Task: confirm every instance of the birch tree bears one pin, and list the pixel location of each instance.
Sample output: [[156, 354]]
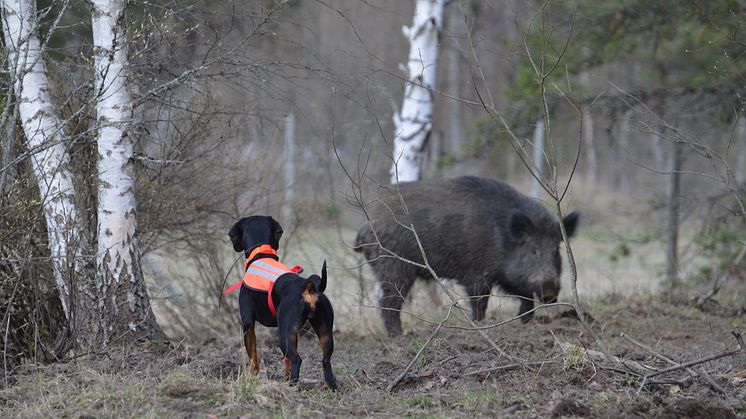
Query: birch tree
[[539, 157], [45, 138], [413, 124], [121, 296]]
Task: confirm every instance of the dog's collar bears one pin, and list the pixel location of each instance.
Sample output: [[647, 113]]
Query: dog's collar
[[263, 249]]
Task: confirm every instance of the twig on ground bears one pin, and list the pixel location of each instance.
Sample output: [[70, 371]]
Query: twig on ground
[[739, 339], [647, 377], [720, 279], [398, 378], [510, 366], [709, 380]]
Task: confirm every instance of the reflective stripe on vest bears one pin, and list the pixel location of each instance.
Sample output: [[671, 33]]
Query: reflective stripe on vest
[[263, 273]]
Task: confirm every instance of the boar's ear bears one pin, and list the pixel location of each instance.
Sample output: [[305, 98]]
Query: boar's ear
[[571, 223], [236, 234], [520, 225], [276, 231]]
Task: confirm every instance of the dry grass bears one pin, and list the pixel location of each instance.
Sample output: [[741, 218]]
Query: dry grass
[[211, 380]]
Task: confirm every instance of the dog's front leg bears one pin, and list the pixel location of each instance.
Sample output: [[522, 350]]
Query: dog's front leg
[[249, 341]]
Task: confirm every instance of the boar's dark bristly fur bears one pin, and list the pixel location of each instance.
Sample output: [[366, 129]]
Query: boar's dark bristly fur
[[479, 232]]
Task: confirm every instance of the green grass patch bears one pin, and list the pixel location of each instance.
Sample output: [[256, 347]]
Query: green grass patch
[[180, 383], [574, 358], [421, 402], [245, 386], [478, 400]]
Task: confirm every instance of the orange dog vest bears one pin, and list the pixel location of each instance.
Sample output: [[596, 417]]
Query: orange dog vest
[[261, 274]]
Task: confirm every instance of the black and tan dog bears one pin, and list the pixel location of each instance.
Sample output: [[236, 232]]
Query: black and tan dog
[[276, 296]]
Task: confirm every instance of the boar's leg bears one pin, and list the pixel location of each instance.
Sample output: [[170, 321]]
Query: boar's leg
[[527, 304], [479, 298], [391, 300]]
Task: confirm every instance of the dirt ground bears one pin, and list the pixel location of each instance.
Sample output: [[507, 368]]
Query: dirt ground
[[558, 377]]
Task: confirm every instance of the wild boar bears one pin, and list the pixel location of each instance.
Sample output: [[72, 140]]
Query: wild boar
[[479, 232]]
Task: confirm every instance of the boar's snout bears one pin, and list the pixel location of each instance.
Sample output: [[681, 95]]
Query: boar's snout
[[549, 300], [548, 292]]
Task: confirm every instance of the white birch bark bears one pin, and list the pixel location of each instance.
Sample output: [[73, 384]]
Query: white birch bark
[[44, 136], [414, 123], [538, 156], [123, 303], [116, 200]]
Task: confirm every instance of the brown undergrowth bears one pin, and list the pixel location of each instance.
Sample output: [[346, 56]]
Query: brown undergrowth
[[458, 374]]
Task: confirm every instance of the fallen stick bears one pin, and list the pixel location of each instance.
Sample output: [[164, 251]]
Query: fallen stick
[[709, 380], [739, 339], [396, 380], [696, 362], [686, 365], [509, 366]]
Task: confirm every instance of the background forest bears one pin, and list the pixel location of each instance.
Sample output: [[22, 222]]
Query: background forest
[[631, 111]]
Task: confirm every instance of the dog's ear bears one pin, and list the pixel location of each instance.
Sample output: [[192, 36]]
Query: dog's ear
[[277, 231], [322, 284], [236, 235]]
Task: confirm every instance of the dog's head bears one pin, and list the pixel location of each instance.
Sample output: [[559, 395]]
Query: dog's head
[[254, 231]]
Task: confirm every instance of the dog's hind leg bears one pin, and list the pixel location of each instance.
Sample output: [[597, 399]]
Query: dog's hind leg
[[287, 334], [292, 359], [249, 341], [323, 322]]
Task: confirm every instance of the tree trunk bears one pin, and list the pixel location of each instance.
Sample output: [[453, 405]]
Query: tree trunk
[[590, 146], [288, 215], [436, 153], [456, 132], [44, 136], [118, 311], [740, 142], [414, 123], [656, 144], [538, 157], [621, 172], [672, 255]]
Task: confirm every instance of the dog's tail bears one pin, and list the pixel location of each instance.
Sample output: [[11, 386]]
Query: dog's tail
[[322, 284]]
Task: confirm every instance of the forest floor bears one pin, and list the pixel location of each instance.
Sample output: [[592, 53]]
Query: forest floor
[[558, 378]]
